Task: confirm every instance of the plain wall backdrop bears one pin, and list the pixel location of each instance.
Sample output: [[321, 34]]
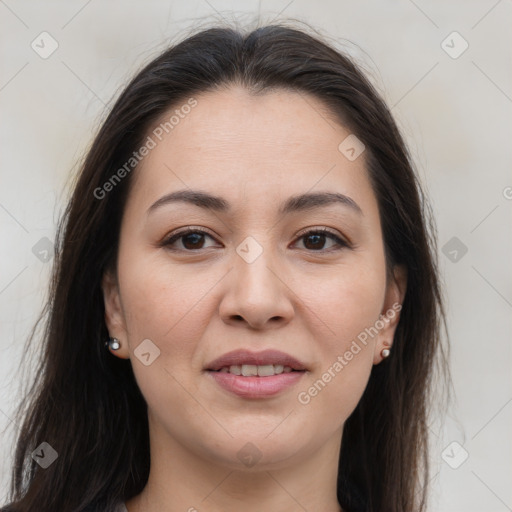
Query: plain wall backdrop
[[443, 67]]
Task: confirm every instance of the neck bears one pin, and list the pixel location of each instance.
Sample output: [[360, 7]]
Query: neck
[[180, 480]]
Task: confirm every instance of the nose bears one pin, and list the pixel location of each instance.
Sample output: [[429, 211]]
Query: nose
[[257, 294]]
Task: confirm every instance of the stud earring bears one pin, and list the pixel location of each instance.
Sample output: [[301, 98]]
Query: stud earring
[[385, 353], [113, 344]]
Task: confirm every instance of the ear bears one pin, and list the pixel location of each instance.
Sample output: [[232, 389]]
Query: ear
[[390, 314], [114, 315]]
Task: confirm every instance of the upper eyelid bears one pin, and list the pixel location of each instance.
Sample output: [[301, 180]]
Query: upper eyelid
[[186, 231]]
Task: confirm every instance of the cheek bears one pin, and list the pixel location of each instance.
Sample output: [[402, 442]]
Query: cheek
[[346, 351], [158, 297], [347, 303], [332, 396], [345, 300], [165, 304]]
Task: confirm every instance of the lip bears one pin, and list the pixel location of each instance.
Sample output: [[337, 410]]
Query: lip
[[240, 357], [256, 387]]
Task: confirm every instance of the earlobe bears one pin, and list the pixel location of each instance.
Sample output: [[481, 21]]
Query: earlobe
[[114, 316]]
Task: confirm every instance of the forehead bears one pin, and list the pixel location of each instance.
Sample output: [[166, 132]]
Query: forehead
[[260, 147], [232, 120]]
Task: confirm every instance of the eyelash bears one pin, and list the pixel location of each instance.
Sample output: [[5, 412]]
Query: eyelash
[[321, 231]]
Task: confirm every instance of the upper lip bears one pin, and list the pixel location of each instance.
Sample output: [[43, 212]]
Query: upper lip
[[265, 357]]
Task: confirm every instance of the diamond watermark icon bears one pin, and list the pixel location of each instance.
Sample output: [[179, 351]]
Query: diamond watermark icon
[[43, 249], [454, 455], [45, 455], [44, 45], [249, 249], [249, 454], [147, 352], [454, 45], [454, 249], [351, 147]]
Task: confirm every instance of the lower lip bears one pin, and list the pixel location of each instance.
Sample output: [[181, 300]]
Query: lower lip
[[256, 387]]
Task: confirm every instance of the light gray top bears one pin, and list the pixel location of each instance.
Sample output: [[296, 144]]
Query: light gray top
[[121, 507]]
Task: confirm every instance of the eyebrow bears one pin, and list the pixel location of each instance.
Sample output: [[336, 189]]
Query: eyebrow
[[301, 202]]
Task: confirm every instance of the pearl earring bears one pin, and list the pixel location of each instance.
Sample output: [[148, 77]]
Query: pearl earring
[[113, 344], [385, 353]]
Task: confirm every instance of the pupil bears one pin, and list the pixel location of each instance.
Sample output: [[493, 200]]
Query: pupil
[[317, 240], [196, 238]]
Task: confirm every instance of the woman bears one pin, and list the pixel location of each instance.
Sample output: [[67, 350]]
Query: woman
[[248, 234]]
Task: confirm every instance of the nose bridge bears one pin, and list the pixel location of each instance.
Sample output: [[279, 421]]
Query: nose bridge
[[253, 268], [256, 293]]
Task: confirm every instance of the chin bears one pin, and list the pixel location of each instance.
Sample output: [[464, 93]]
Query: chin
[[256, 451]]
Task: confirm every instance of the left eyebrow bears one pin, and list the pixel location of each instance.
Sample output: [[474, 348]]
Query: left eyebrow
[[301, 202], [313, 200]]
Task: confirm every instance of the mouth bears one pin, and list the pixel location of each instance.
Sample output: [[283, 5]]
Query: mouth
[[252, 370], [251, 364], [256, 374]]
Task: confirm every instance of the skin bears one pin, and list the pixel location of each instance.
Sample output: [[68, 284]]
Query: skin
[[195, 306]]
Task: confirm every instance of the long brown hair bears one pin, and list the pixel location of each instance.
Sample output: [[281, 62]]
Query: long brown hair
[[86, 404]]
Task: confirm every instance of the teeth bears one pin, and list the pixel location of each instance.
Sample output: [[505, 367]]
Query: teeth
[[265, 371], [237, 370], [251, 370]]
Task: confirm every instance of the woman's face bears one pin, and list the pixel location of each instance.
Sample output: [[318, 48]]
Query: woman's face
[[252, 280]]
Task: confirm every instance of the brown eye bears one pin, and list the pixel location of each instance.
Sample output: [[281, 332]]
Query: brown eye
[[315, 240], [191, 239]]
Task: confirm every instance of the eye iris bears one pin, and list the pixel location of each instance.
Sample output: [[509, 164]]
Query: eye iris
[[318, 238], [196, 237]]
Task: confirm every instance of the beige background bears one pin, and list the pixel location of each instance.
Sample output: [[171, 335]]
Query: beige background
[[456, 114]]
